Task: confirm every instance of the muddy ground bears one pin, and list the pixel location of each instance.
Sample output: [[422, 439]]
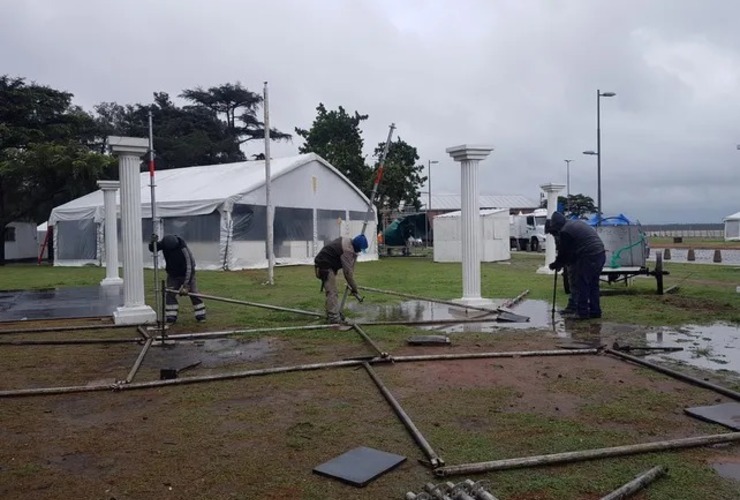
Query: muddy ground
[[261, 436]]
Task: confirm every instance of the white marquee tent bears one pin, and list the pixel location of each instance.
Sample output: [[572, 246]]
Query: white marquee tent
[[494, 236], [732, 227], [220, 210]]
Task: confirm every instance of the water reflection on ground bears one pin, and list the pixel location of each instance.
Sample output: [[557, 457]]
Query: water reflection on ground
[[716, 347], [713, 347]]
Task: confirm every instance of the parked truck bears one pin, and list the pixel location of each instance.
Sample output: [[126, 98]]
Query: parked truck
[[527, 230]]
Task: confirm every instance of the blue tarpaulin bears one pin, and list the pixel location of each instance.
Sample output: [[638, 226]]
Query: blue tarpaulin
[[617, 220]]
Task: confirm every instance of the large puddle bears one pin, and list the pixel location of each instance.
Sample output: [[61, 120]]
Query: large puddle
[[715, 347], [538, 311], [210, 353]]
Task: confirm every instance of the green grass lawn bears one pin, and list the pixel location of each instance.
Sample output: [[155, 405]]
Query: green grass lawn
[[706, 292]]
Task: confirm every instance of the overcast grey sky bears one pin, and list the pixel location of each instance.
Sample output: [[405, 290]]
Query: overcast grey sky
[[520, 75]]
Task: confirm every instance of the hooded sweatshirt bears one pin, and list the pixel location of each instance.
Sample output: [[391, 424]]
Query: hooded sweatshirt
[[576, 239]]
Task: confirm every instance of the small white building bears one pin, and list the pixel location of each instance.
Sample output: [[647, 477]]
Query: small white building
[[20, 241], [732, 227], [494, 239]]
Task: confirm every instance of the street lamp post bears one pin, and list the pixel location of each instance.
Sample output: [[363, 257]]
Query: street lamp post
[[599, 95], [429, 198], [567, 184]]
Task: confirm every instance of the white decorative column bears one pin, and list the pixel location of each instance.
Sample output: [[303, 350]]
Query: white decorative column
[[134, 310], [469, 156], [111, 234], [551, 190]]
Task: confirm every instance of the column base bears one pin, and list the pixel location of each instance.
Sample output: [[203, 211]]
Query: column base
[[134, 315], [477, 302], [111, 281], [545, 270]]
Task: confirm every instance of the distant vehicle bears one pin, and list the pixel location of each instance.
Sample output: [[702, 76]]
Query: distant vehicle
[[527, 231]]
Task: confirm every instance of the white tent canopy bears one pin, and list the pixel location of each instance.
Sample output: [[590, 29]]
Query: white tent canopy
[[732, 227], [220, 211], [494, 236]]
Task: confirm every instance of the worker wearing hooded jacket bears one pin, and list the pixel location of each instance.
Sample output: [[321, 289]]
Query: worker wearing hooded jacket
[[339, 254], [180, 267], [580, 246]]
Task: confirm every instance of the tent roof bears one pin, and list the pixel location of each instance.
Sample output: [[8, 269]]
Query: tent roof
[[735, 216], [454, 201], [198, 190], [484, 212]]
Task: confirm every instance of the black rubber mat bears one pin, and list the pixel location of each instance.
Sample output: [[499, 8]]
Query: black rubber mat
[[727, 414], [60, 303], [359, 466]]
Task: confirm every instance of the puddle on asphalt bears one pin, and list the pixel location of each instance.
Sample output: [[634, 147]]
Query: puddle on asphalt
[[211, 353], [538, 311], [715, 347], [728, 470]]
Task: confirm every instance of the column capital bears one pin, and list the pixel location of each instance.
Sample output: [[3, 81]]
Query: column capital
[[465, 152], [109, 185], [131, 145], [552, 188]]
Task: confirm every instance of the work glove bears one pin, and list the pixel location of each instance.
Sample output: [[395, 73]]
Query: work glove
[[554, 266], [183, 290]]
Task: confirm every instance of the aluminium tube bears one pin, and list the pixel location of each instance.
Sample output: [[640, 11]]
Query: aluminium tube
[[636, 484], [515, 300], [176, 381], [138, 361], [70, 341], [255, 304], [61, 329], [226, 333], [364, 335], [435, 460], [676, 374], [155, 220], [578, 456], [482, 355], [486, 319]]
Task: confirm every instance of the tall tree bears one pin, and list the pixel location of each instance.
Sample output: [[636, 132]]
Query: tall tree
[[336, 137], [239, 108], [45, 155], [401, 176], [578, 205]]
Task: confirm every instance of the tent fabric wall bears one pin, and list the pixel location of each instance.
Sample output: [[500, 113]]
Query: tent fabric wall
[[220, 211], [494, 240], [23, 243], [732, 227]]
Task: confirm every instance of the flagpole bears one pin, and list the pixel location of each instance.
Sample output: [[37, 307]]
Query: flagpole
[[268, 200]]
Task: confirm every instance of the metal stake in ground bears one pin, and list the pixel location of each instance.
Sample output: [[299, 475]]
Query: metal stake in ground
[[554, 293], [155, 224]]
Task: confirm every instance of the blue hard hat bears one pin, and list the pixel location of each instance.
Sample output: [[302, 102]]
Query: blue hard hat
[[359, 243]]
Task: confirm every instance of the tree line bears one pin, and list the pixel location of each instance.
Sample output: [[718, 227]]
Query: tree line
[[53, 151]]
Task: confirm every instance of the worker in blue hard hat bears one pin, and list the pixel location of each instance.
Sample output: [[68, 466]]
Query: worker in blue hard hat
[[339, 254]]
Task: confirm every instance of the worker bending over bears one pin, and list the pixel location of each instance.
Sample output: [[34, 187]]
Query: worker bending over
[[339, 254], [180, 267]]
